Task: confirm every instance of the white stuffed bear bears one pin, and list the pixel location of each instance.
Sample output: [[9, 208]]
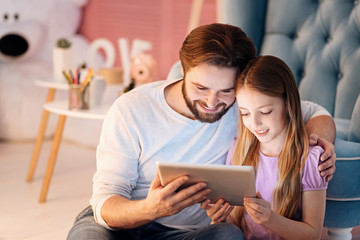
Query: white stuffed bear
[[28, 33]]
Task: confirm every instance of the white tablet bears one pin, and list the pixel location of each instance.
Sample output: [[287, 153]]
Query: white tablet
[[231, 183]]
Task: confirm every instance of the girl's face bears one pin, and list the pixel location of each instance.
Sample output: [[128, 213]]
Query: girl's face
[[264, 116]]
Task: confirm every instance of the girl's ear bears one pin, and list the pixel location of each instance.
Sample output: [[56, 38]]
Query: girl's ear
[[182, 70]]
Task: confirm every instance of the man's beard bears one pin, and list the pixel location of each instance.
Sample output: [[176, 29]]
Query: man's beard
[[202, 116]]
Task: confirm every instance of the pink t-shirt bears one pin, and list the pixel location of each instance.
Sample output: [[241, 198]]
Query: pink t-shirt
[[266, 178]]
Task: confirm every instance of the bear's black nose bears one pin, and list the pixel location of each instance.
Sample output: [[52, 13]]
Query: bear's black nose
[[13, 45]]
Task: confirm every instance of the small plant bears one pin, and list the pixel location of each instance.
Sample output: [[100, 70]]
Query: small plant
[[63, 43]]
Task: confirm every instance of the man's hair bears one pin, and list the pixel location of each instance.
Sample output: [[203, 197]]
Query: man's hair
[[217, 44]]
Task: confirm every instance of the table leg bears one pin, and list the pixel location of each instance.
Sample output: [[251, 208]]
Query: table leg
[[40, 137], [52, 158]]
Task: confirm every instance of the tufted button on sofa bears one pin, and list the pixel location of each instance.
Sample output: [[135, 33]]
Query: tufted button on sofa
[[320, 41]]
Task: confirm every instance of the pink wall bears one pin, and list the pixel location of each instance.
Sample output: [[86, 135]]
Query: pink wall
[[162, 22]]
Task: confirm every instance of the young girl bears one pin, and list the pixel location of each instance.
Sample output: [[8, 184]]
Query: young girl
[[290, 202]]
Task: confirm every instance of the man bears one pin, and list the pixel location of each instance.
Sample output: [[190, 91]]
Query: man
[[193, 119]]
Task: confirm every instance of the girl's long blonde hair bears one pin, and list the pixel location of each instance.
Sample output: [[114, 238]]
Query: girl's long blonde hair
[[271, 76]]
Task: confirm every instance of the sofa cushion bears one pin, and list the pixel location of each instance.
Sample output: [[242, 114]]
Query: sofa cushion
[[354, 128], [320, 41]]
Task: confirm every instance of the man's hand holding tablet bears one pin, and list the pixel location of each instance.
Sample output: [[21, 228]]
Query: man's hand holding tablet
[[230, 183]]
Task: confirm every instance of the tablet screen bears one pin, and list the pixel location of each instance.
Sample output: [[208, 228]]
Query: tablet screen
[[231, 183]]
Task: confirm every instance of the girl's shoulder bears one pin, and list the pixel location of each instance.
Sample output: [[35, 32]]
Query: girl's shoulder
[[314, 154], [231, 150], [311, 178]]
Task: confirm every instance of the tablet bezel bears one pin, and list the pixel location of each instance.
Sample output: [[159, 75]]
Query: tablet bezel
[[231, 183]]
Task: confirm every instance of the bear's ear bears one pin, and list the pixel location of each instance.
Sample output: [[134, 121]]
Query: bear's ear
[[79, 3]]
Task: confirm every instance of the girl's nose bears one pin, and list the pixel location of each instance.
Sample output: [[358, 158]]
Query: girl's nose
[[256, 122]]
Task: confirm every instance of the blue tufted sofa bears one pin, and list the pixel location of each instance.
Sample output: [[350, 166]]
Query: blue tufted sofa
[[320, 41]]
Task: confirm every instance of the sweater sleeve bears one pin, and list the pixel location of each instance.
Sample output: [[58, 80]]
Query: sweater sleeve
[[311, 110], [311, 179], [116, 160]]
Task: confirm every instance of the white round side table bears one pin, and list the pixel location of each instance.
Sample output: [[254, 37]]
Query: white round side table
[[62, 109], [52, 86]]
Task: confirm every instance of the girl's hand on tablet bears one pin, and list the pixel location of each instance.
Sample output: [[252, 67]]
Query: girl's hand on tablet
[[219, 211], [258, 209]]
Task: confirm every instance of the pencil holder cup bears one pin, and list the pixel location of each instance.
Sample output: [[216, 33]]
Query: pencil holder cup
[[79, 97]]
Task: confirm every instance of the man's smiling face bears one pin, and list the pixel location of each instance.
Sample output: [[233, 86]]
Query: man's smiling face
[[209, 91]]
